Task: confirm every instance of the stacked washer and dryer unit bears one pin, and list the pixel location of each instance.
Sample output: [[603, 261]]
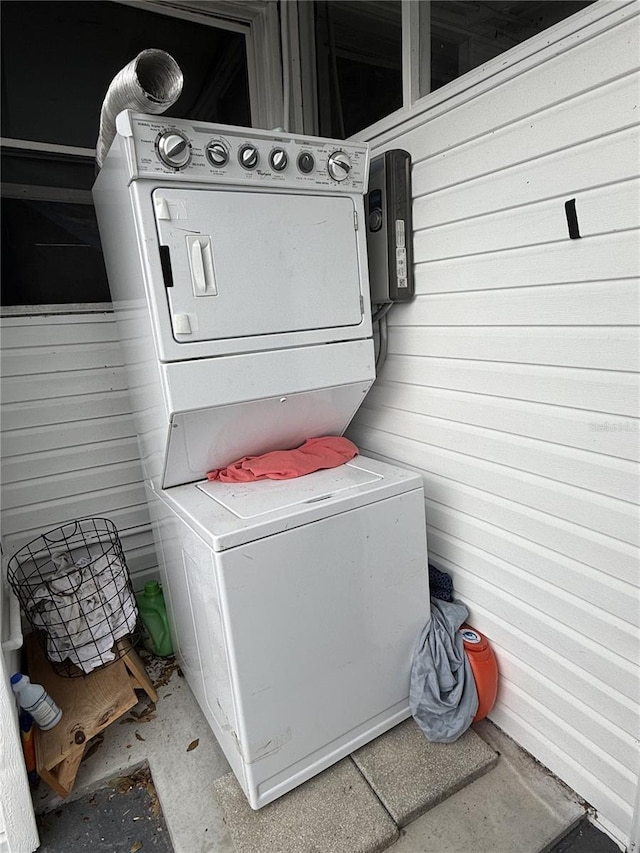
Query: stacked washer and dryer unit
[[238, 268]]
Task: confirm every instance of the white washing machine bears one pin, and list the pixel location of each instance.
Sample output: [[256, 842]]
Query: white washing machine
[[237, 264]]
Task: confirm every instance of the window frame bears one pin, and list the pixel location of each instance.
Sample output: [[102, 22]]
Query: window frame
[[416, 51], [477, 80], [257, 20]]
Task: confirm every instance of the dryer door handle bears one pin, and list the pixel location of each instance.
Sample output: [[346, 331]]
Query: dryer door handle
[[201, 263]]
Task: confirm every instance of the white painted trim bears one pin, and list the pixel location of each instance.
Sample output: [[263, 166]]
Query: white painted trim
[[556, 40], [265, 87], [288, 76], [292, 62], [44, 310], [308, 73], [410, 48], [209, 16], [18, 831], [13, 641], [634, 833], [422, 66], [46, 147], [64, 195], [238, 11], [416, 51]]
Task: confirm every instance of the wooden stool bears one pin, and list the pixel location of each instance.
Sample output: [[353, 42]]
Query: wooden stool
[[89, 703]]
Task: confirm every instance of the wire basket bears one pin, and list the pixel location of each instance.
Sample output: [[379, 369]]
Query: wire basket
[[74, 588]]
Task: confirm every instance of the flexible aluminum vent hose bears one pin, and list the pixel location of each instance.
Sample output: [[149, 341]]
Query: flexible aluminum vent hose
[[150, 83]]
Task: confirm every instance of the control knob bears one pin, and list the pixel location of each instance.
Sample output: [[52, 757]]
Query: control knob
[[217, 154], [339, 165], [248, 156], [278, 159], [174, 149], [306, 163]]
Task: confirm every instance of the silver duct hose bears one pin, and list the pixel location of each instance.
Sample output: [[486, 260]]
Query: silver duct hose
[[150, 83]]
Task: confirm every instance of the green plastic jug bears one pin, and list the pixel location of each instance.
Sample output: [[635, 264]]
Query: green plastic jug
[[154, 618]]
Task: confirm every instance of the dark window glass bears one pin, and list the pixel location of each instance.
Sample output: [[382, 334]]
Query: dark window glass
[[21, 167], [465, 35], [58, 59], [359, 63], [50, 253], [50, 245], [359, 49]]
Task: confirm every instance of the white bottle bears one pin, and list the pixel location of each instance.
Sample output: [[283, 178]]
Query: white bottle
[[34, 699]]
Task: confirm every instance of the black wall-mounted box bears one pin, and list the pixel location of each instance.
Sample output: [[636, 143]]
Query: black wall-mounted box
[[390, 228]]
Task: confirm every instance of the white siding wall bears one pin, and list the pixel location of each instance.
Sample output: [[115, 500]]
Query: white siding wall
[[68, 441], [511, 385]]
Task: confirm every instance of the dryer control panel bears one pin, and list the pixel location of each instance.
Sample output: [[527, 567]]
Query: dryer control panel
[[181, 150]]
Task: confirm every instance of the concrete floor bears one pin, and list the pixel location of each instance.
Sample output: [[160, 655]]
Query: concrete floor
[[515, 807]]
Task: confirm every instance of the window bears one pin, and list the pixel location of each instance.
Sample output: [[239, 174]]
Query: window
[[51, 250], [57, 62], [359, 50], [463, 35], [359, 63], [59, 58]]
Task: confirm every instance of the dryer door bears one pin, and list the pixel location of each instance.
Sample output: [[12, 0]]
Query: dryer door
[[240, 263]]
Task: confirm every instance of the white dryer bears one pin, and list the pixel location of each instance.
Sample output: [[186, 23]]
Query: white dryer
[[237, 263]]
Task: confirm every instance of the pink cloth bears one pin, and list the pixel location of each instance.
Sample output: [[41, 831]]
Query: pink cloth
[[316, 453]]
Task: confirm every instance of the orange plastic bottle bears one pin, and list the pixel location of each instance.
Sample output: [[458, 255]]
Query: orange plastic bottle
[[484, 667]]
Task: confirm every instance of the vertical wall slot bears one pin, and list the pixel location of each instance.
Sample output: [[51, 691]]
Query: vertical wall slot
[[572, 219]]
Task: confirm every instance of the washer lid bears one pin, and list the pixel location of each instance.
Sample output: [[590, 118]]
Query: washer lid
[[230, 514], [249, 500]]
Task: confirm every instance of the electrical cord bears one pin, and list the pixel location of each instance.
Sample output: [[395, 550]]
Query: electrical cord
[[382, 343], [381, 311], [379, 320]]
